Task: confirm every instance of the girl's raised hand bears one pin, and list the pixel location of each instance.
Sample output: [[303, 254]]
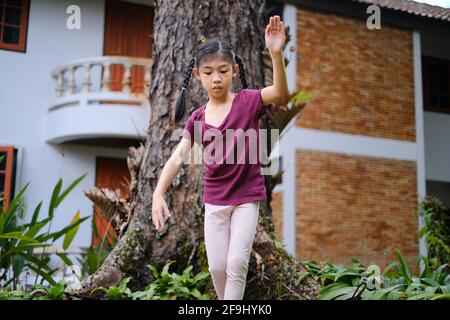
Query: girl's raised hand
[[159, 207], [275, 35]]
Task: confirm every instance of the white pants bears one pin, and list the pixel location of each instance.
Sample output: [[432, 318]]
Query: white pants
[[229, 234]]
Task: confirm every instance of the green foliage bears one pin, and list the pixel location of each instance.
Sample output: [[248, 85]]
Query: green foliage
[[37, 292], [18, 239], [55, 292], [95, 255], [165, 286], [396, 281], [301, 97], [436, 229], [119, 292], [174, 286], [7, 293]]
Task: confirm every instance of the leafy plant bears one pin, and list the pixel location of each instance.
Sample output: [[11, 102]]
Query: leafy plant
[[396, 281], [174, 286], [55, 292], [119, 292], [18, 239], [436, 229], [165, 286], [37, 292], [95, 254], [7, 293]]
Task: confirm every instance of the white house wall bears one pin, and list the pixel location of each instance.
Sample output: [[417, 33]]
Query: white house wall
[[26, 89]]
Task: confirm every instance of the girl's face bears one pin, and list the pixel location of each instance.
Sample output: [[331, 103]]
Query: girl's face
[[216, 75]]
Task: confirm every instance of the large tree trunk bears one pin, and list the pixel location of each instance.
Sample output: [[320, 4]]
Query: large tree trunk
[[179, 28]]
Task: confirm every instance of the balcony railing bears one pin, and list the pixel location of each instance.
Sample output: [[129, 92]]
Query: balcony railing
[[119, 80], [100, 97]]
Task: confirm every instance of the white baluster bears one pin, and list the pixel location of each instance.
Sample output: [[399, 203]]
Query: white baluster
[[147, 82], [71, 86], [59, 84], [106, 80], [127, 78], [87, 78]]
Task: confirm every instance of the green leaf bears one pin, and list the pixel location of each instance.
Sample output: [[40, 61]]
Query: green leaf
[[333, 294], [9, 214], [17, 235], [200, 276], [404, 266], [27, 246], [36, 213], [154, 270], [65, 259], [414, 286], [187, 270], [91, 260], [423, 231], [43, 274], [54, 199], [66, 192], [331, 287], [39, 262], [445, 288], [430, 282], [430, 289], [389, 267], [421, 296], [395, 295], [196, 293], [346, 272], [165, 270], [18, 264], [56, 235], [301, 96], [68, 238], [35, 229], [441, 297]]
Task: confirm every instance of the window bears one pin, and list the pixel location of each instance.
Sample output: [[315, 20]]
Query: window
[[439, 189], [13, 24], [8, 156], [436, 84]]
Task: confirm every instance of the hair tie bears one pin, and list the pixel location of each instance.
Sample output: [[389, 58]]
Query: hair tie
[[234, 57]]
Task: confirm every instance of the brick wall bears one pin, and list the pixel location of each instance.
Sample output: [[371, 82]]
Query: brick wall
[[355, 206], [277, 214], [362, 79]]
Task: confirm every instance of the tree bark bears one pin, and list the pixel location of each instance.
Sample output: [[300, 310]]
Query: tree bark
[[179, 28]]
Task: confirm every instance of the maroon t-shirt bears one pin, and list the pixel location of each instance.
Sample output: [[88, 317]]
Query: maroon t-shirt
[[231, 151]]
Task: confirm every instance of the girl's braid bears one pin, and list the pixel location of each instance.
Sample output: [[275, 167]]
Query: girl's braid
[[180, 108], [241, 70], [188, 73]]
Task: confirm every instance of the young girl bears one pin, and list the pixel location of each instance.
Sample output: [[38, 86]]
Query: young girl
[[232, 191]]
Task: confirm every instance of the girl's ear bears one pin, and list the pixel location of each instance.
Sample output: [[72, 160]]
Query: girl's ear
[[195, 73], [235, 70]]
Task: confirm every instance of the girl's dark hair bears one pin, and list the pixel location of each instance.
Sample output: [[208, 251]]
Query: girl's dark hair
[[209, 49]]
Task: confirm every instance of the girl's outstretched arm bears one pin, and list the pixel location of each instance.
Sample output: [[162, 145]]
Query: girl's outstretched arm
[[168, 173], [275, 37]]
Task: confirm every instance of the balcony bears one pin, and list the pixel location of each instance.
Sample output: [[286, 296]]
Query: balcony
[[100, 99]]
